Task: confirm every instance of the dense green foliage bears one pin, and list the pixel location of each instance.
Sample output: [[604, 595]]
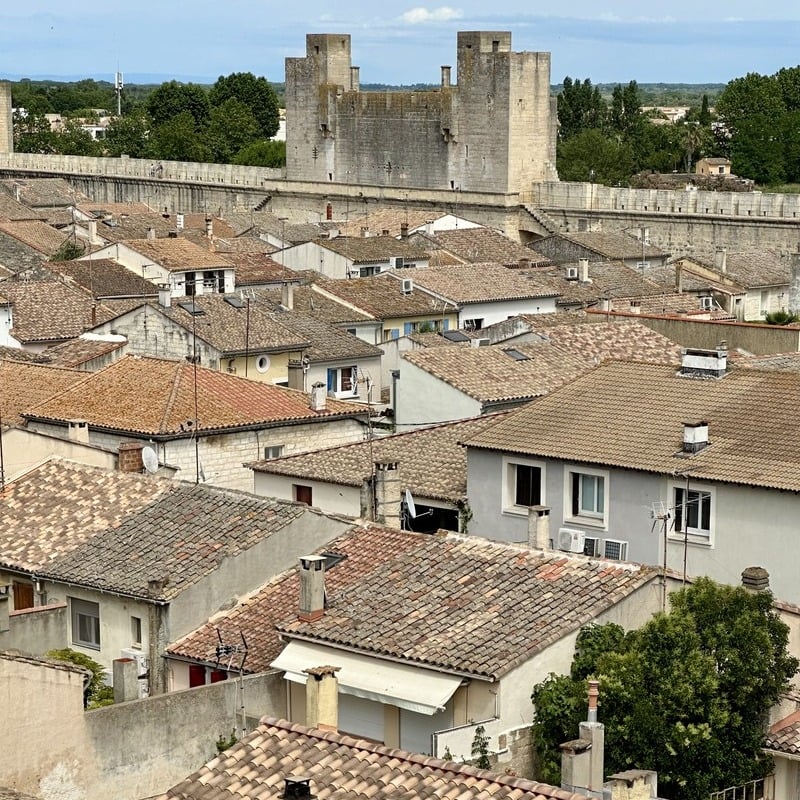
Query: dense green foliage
[[686, 695], [229, 122], [98, 694]]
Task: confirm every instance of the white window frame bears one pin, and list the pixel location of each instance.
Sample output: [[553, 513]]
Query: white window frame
[[337, 390], [273, 451], [263, 363], [79, 608], [510, 464], [592, 518], [693, 535]]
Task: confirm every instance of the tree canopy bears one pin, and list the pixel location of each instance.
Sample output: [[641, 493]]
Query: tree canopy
[[687, 694], [256, 94]]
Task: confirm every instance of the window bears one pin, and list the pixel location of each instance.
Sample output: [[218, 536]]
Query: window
[[473, 324], [587, 497], [343, 381], [262, 363], [136, 631], [522, 484], [391, 333], [85, 623], [692, 510], [301, 494], [273, 451]]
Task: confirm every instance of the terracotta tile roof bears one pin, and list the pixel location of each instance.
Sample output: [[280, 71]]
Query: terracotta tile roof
[[155, 397], [133, 225], [226, 323], [36, 234], [784, 735], [665, 275], [754, 423], [256, 223], [431, 461], [371, 249], [751, 270], [101, 210], [608, 244], [178, 255], [43, 192], [253, 267], [382, 296], [781, 361], [26, 384], [45, 311], [477, 283], [365, 549], [470, 606], [17, 354], [671, 304], [322, 306], [10, 209], [478, 245], [342, 768], [220, 227], [75, 352], [116, 531], [388, 219], [104, 277], [517, 371], [326, 341]]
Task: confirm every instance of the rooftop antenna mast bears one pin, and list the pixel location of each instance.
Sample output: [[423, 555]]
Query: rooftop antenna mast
[[660, 513], [230, 653], [118, 86]]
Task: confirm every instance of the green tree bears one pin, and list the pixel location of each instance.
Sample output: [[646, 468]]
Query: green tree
[[127, 135], [262, 154], [32, 133], [172, 99], [593, 156], [178, 140], [687, 694], [231, 128], [580, 107], [97, 693], [255, 93]]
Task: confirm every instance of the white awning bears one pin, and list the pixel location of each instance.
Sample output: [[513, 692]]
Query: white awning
[[413, 688]]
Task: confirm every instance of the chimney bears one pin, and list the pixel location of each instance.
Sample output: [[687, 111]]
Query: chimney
[[697, 363], [387, 493], [539, 527], [297, 374], [209, 227], [404, 230], [755, 579], [582, 759], [93, 237], [319, 396], [164, 295], [129, 457], [297, 786], [583, 270], [695, 437], [364, 232], [17, 192], [287, 295], [312, 588], [180, 221], [78, 431], [322, 698], [446, 76], [429, 227], [125, 676], [151, 233], [721, 259], [679, 277], [355, 79]]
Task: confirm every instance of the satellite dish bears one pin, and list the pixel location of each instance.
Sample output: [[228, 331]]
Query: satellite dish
[[150, 459], [412, 509]]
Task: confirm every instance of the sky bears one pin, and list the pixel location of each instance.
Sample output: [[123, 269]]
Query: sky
[[703, 41]]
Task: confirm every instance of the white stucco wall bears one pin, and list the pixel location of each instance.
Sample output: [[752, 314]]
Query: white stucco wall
[[501, 310], [423, 399]]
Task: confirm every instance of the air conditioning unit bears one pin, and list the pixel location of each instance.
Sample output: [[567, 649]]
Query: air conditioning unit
[[707, 303], [591, 546], [615, 549], [571, 541], [572, 273], [142, 666], [408, 285]]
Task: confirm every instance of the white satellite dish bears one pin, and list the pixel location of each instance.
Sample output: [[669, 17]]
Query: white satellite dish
[[410, 505], [150, 459]]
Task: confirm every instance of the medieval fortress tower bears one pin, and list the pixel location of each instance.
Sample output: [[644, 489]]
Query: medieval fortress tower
[[493, 131], [6, 126]]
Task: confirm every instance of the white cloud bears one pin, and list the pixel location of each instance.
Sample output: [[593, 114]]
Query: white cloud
[[443, 14]]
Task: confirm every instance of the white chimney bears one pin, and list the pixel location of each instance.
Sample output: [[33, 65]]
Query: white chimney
[[164, 295], [319, 396], [179, 221], [387, 493], [721, 259], [539, 527], [582, 759], [287, 295], [322, 698], [312, 588], [78, 430], [151, 233], [695, 436], [583, 267], [93, 237], [705, 363]]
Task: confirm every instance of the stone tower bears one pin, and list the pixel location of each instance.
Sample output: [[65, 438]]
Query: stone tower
[[493, 132], [6, 127]]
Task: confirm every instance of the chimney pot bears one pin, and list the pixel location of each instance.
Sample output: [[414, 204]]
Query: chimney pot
[[755, 579], [297, 786]]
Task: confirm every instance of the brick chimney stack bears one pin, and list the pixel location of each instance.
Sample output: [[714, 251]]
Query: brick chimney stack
[[129, 457]]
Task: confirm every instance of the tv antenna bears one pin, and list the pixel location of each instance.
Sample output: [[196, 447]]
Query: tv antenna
[[231, 657], [150, 460], [661, 514]]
